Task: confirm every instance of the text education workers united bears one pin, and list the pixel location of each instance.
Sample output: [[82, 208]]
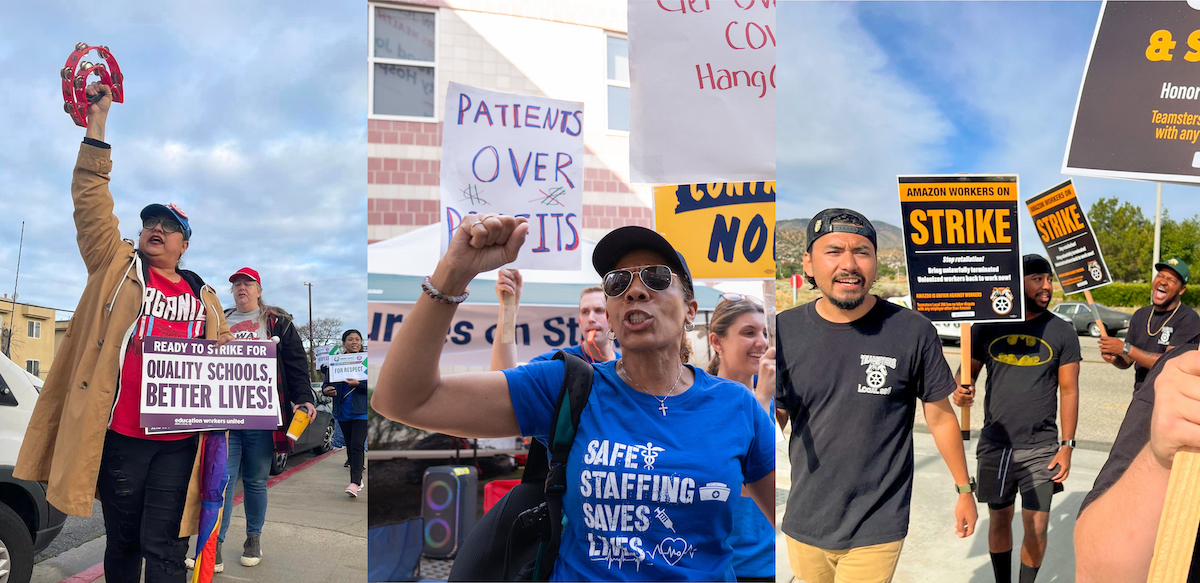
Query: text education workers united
[[851, 369], [1030, 365]]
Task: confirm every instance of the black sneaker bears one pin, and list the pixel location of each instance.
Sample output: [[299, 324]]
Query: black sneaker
[[252, 553]]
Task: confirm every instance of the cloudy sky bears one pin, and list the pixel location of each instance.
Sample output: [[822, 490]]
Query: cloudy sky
[[937, 88], [249, 115]]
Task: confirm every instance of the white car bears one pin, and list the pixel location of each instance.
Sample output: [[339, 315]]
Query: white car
[[947, 331], [27, 522]]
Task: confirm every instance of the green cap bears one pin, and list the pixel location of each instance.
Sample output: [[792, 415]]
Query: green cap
[[1177, 265]]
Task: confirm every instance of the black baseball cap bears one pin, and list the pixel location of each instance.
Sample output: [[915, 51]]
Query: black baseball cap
[[1034, 263], [839, 220], [620, 242]]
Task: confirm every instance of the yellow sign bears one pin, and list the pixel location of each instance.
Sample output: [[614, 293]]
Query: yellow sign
[[725, 230]]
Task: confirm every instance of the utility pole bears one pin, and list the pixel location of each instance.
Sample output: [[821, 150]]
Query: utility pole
[[12, 317], [1157, 231], [312, 361]]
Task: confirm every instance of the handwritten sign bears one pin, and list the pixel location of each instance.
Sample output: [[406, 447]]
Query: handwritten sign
[[1069, 240], [352, 365], [518, 155], [195, 385], [702, 91], [1136, 114], [961, 246], [724, 230]]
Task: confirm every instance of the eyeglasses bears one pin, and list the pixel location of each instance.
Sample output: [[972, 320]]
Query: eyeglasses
[[169, 225], [734, 297], [655, 277]]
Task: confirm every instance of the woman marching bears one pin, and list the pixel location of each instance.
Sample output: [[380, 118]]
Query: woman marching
[[659, 446], [737, 332], [350, 410], [148, 485]]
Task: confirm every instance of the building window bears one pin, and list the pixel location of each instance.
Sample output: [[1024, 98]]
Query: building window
[[403, 78], [34, 367], [35, 330], [618, 83]]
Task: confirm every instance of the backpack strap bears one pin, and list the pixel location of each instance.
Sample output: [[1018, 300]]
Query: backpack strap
[[577, 386]]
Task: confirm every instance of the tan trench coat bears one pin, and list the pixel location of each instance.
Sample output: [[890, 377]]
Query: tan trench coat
[[65, 438]]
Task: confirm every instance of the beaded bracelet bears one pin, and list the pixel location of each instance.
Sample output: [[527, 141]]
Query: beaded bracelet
[[441, 297]]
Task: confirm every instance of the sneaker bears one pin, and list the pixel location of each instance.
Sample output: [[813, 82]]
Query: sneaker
[[352, 490], [346, 465], [252, 553], [190, 563]]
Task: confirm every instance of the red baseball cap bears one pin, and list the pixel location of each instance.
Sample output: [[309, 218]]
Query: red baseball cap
[[248, 273]]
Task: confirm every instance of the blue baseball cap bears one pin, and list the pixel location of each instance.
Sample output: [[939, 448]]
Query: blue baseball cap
[[156, 209]]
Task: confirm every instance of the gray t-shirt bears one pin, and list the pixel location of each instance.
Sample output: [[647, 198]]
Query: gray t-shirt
[[1022, 360], [852, 391], [248, 325]]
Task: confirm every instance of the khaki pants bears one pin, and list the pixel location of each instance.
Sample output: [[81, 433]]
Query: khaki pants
[[871, 564]]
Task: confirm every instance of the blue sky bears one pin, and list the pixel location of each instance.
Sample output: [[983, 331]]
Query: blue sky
[[933, 88], [249, 115]]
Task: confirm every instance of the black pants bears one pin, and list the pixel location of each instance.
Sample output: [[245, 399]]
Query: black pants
[[355, 432], [143, 490]]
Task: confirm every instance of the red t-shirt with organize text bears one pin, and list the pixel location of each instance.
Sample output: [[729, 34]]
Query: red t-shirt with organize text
[[169, 309]]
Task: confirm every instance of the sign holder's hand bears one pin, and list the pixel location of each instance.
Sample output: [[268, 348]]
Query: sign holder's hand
[[1175, 443], [765, 389]]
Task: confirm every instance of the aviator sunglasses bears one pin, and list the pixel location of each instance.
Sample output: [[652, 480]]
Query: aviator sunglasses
[[655, 277], [169, 225], [735, 297]]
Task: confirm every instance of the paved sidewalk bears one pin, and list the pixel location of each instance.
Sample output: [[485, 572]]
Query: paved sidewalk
[[314, 532], [932, 553]]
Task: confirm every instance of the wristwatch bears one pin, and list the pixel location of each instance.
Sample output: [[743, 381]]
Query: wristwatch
[[1125, 350], [1068, 442], [968, 488]]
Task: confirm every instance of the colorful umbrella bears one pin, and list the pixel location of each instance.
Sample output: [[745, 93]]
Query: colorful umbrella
[[214, 467]]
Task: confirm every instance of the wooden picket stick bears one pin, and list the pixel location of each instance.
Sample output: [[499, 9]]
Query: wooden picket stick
[[508, 318], [1180, 518], [1087, 294], [965, 367]]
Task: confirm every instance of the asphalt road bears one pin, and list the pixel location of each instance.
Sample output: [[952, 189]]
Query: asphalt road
[[1104, 395]]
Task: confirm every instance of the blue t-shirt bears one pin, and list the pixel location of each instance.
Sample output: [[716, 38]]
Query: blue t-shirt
[[753, 537], [649, 497], [576, 349]]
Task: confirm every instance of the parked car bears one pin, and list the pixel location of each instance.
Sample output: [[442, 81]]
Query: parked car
[[1079, 315], [27, 522], [318, 436], [947, 331]]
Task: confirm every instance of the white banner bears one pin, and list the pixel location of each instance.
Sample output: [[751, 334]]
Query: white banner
[[352, 365], [518, 155], [469, 342], [702, 91]]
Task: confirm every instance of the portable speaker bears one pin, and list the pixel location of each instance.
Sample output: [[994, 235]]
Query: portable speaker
[[448, 507]]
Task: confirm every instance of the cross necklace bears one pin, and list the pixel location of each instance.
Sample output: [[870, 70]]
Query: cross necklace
[[662, 403]]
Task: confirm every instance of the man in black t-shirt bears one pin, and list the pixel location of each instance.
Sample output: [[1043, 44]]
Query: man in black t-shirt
[[1030, 364], [1118, 521], [1155, 329], [851, 369]]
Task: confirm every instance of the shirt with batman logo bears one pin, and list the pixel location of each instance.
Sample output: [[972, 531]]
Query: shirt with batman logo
[[1022, 360]]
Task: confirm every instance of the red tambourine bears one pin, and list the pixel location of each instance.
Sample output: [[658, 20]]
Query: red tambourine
[[74, 80]]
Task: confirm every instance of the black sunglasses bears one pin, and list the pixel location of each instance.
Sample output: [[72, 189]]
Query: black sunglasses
[[169, 225], [655, 277]]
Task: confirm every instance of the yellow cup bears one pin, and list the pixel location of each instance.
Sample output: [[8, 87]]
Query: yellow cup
[[299, 423]]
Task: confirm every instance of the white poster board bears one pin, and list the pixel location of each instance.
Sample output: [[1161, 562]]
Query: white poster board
[[345, 366], [702, 91], [517, 155]]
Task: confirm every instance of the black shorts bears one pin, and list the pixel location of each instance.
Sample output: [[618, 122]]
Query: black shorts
[[1003, 472]]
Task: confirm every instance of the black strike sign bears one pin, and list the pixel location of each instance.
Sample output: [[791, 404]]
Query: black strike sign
[[1070, 243], [961, 246]]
